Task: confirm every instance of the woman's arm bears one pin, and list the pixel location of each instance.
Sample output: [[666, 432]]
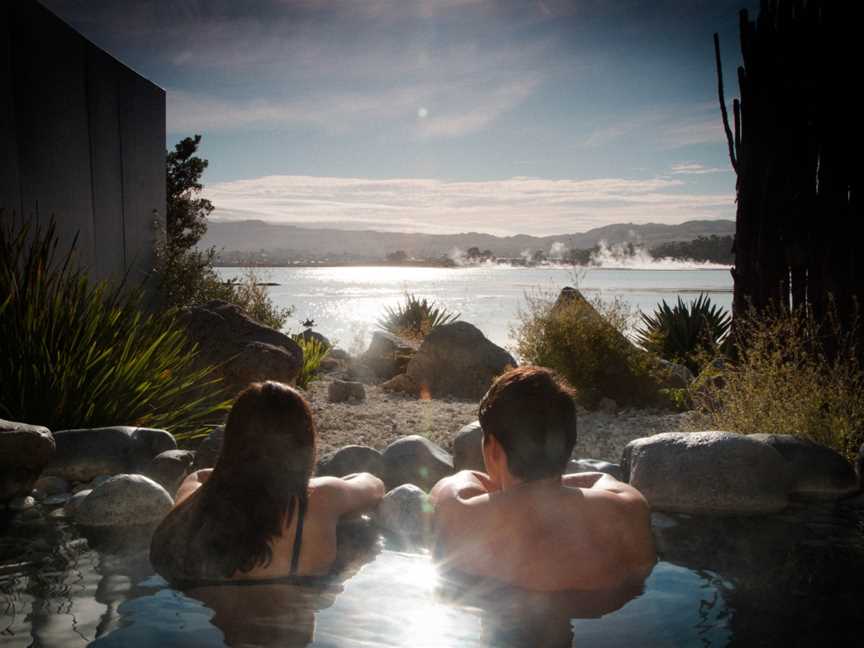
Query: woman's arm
[[348, 494], [192, 483]]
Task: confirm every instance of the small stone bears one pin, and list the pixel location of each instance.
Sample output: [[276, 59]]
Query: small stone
[[57, 500], [608, 406], [405, 511], [49, 485], [22, 503], [340, 391], [402, 384]]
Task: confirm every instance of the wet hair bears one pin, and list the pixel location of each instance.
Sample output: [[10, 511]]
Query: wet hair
[[530, 411], [262, 473]]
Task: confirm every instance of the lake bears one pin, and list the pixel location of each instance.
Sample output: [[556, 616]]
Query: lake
[[345, 302]]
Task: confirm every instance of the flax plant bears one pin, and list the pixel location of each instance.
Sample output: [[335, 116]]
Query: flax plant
[[79, 353]]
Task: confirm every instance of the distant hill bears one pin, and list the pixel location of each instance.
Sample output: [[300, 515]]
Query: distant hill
[[254, 236]]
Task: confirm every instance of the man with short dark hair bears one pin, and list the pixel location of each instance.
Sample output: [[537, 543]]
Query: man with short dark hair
[[524, 522]]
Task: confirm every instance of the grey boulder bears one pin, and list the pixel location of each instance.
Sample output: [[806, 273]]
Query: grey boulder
[[468, 448], [415, 460], [816, 471], [124, 500], [405, 511], [24, 452], [352, 459], [707, 472], [87, 453], [457, 360], [169, 468]]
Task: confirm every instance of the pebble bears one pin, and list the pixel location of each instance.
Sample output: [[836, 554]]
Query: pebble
[[22, 503]]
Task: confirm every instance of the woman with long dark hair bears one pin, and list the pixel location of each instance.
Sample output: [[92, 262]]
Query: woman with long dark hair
[[258, 514]]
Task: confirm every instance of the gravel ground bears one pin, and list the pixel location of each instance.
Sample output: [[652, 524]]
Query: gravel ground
[[384, 417]]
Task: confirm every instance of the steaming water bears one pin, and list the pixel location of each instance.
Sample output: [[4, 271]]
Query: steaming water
[[345, 302]]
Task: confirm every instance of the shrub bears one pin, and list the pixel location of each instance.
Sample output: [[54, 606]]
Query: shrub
[[187, 278], [74, 353], [313, 353], [414, 318], [585, 342], [684, 333], [785, 382]]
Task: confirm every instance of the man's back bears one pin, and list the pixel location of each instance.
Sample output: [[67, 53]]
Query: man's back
[[583, 531]]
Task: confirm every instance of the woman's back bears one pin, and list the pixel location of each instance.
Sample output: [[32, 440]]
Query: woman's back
[[258, 514]]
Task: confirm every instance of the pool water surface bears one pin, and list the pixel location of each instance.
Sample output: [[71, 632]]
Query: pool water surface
[[789, 579]]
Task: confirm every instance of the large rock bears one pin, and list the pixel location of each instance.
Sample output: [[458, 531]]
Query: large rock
[[340, 391], [457, 360], [124, 500], [170, 468], [352, 459], [388, 354], [245, 350], [415, 460], [468, 448], [707, 472], [816, 471], [87, 453], [24, 452], [406, 512]]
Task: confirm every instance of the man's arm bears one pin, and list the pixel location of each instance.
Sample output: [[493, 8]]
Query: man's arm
[[462, 486], [348, 494], [603, 482]]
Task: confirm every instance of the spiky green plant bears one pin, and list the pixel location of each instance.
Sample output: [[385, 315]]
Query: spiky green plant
[[75, 353], [414, 318], [684, 333], [313, 353]]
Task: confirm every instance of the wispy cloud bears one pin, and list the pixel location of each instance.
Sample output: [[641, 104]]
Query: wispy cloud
[[463, 109], [506, 207], [694, 168], [665, 128]]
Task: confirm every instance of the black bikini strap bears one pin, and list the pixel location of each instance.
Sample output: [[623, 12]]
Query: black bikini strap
[[298, 534]]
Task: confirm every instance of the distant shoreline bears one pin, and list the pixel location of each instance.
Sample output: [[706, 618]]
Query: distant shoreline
[[454, 266]]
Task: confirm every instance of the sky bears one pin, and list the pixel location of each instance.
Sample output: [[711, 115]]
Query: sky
[[503, 116]]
